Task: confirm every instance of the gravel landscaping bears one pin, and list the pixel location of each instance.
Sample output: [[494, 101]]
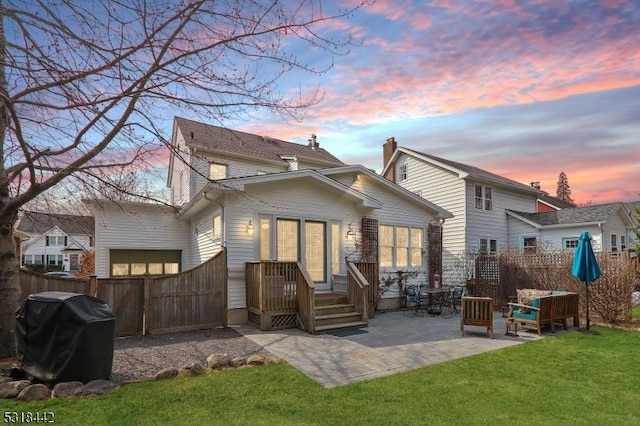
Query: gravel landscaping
[[140, 357]]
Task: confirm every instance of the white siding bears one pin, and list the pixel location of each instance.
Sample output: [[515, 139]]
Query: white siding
[[137, 227], [235, 168], [493, 224], [180, 173], [204, 244], [518, 230], [445, 189], [305, 199]]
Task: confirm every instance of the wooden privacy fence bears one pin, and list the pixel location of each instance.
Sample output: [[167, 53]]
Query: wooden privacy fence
[[192, 299]]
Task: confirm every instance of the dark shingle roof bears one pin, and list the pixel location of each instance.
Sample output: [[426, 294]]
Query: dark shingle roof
[[222, 140], [477, 173], [595, 213], [39, 223]]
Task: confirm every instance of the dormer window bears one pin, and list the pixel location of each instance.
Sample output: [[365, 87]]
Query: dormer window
[[217, 171]]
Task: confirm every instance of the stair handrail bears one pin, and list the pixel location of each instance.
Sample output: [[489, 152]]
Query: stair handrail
[[358, 291], [305, 293]]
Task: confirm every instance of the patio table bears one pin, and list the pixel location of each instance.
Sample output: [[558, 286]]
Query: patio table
[[432, 299]]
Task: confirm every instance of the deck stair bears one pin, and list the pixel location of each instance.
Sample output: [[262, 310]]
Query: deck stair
[[334, 312]]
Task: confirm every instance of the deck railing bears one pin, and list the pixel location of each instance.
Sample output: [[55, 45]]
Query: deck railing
[[371, 272], [358, 291], [279, 295], [306, 300]]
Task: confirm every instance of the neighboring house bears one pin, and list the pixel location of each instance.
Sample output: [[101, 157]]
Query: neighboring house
[[633, 210], [263, 199], [609, 224], [55, 241], [547, 203], [479, 201]]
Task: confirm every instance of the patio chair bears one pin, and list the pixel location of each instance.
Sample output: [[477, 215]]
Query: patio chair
[[451, 303], [412, 303]]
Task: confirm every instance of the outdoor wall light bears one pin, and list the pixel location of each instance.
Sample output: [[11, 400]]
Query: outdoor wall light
[[351, 234], [250, 228]]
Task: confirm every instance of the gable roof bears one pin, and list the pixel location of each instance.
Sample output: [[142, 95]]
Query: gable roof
[[464, 171], [322, 176], [40, 223], [225, 142], [599, 213]]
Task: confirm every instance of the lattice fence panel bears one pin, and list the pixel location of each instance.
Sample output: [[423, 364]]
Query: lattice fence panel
[[369, 229]]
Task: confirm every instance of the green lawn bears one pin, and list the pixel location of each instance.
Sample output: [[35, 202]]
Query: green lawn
[[568, 379], [635, 313]]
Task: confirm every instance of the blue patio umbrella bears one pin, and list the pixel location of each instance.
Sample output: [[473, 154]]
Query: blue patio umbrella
[[585, 265]]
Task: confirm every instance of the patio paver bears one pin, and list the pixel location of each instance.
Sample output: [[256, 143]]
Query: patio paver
[[393, 343]]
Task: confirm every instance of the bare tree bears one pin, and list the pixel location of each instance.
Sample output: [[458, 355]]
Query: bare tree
[[84, 86]]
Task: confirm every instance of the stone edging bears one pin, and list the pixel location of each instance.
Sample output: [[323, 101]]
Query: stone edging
[[26, 390]]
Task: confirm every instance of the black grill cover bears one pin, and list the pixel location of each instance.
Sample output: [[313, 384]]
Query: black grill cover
[[64, 337]]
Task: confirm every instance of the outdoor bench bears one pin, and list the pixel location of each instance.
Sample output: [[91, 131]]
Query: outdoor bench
[[546, 308]]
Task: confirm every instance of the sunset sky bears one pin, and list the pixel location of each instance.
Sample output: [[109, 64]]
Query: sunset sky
[[524, 89]]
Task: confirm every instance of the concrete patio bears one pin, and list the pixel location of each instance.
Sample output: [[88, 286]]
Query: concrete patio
[[393, 343]]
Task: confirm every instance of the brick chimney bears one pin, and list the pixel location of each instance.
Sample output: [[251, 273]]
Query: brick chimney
[[388, 149], [313, 142]]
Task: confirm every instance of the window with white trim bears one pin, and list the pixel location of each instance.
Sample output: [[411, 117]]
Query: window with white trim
[[52, 240], [400, 246], [217, 227], [529, 245], [402, 172], [487, 246], [483, 197], [623, 242], [614, 243], [217, 171], [570, 243]]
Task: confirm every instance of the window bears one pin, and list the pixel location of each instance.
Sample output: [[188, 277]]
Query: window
[[91, 242], [623, 242], [400, 246], [488, 246], [614, 243], [336, 240], [217, 227], [56, 240], [265, 241], [402, 172], [140, 262], [570, 243], [416, 247], [483, 197], [386, 245], [529, 245], [287, 240], [119, 269], [217, 171], [54, 260]]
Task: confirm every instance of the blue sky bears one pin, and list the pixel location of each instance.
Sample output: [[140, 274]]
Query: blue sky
[[525, 89]]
